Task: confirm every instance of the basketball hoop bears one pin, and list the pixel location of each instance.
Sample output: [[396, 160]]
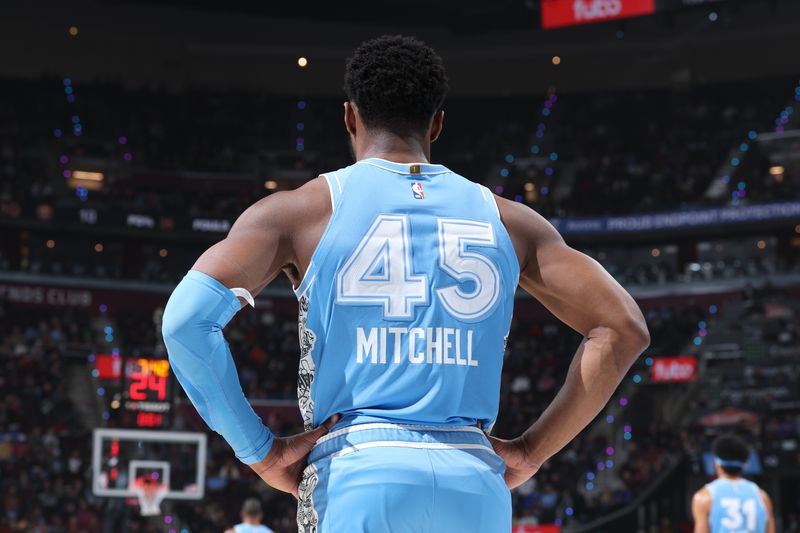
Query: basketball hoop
[[136, 464], [150, 495]]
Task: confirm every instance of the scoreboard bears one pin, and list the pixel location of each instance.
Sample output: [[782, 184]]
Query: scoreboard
[[147, 392]]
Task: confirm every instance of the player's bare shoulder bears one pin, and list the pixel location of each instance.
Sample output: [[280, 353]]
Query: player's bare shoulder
[[702, 499], [301, 215], [311, 210], [290, 210], [279, 232], [527, 228], [701, 509], [313, 198], [767, 500]]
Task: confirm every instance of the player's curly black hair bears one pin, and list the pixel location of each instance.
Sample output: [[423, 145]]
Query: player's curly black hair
[[731, 448], [397, 83]]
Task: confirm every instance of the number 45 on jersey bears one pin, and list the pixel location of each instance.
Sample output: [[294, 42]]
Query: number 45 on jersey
[[380, 270]]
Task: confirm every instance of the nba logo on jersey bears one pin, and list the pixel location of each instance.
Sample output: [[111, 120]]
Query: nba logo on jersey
[[416, 188]]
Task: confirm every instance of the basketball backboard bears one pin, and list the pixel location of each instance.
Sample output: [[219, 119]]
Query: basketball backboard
[[148, 465]]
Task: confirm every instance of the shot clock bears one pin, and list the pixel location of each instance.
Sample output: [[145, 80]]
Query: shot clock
[[147, 392]]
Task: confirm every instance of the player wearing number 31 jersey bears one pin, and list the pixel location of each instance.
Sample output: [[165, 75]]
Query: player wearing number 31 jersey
[[731, 504], [405, 273]]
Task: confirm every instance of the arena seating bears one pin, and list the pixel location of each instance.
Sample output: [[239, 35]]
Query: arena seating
[[43, 458], [598, 153], [264, 346]]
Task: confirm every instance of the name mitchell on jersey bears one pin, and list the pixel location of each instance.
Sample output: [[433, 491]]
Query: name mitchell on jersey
[[441, 346]]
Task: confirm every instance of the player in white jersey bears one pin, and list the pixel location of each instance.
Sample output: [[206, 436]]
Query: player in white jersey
[[731, 504], [251, 514], [405, 274]]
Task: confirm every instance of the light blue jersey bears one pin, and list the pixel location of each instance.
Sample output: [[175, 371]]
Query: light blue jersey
[[249, 528], [736, 507], [404, 311], [407, 302]]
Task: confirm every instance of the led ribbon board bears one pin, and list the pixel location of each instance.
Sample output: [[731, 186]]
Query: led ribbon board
[[560, 13]]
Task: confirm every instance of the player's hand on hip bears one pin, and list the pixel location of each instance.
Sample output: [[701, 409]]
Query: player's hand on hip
[[283, 466], [519, 468]]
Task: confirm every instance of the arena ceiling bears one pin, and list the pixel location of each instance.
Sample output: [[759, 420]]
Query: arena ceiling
[[233, 44], [457, 15]]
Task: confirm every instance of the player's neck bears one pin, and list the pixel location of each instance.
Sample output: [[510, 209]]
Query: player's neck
[[392, 147], [729, 477]]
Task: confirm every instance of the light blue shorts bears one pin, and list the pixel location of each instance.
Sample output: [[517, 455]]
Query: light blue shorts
[[388, 478]]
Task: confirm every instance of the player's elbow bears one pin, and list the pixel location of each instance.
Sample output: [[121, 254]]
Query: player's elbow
[[173, 326], [633, 335], [638, 332], [175, 330], [177, 324]]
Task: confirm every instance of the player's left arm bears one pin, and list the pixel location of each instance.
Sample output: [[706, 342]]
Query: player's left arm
[[701, 509], [771, 528], [578, 291]]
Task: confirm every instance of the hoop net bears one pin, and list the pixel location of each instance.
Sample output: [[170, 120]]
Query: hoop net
[[150, 495]]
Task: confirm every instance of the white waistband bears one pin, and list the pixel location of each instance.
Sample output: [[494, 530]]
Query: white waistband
[[387, 425], [404, 444]]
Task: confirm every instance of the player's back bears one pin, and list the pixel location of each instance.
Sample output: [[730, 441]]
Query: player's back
[[736, 507], [407, 301], [404, 311]]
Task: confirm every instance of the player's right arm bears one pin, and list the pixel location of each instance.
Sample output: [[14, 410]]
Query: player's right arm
[[577, 290], [275, 234], [771, 528], [701, 509]]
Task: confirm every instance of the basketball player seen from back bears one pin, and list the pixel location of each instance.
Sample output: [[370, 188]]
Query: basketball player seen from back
[[731, 504], [251, 518], [405, 273]]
